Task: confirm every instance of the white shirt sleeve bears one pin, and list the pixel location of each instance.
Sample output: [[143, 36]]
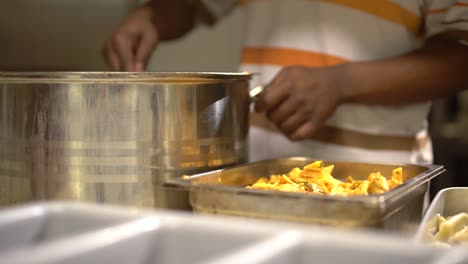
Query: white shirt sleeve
[[213, 10], [446, 15]]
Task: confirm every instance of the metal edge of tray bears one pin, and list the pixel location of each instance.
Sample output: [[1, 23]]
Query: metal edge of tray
[[382, 200], [437, 206], [123, 76], [401, 191]]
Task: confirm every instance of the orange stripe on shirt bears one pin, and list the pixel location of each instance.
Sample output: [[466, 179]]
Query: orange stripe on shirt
[[445, 9], [384, 9], [438, 11], [287, 57], [387, 10]]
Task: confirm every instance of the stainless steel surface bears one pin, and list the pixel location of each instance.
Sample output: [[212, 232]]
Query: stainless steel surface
[[447, 202], [223, 192], [115, 137]]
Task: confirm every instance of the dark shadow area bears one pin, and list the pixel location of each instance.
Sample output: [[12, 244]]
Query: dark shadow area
[[448, 124]]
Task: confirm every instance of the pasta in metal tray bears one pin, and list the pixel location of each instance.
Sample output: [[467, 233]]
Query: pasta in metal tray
[[317, 179]]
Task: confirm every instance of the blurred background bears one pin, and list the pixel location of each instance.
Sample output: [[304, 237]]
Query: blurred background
[[68, 35], [57, 35]]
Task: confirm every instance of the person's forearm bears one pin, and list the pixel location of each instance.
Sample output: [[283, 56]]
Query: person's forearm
[[173, 18], [437, 70]]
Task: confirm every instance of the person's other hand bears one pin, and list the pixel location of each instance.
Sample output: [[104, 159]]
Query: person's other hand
[[131, 46], [300, 99]]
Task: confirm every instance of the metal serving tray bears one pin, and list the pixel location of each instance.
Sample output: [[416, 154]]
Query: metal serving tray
[[447, 202], [222, 192]]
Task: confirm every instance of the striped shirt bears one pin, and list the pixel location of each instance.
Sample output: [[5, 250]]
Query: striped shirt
[[318, 33]]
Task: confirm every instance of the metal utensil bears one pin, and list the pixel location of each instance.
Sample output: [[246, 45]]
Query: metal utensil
[[253, 93]]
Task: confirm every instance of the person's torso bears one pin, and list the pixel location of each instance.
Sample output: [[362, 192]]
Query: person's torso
[[321, 33]]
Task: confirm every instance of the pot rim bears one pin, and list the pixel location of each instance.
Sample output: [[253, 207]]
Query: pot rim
[[78, 76]]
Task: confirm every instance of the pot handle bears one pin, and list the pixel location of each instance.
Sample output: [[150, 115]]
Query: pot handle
[[255, 92], [176, 184]]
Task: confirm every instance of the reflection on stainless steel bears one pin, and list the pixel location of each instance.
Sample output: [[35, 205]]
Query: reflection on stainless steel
[[215, 115], [223, 192], [115, 137]]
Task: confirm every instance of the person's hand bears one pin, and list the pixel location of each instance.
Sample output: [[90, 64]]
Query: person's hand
[[300, 99], [131, 46]]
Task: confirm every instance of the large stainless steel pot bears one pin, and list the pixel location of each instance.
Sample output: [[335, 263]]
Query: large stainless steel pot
[[116, 137]]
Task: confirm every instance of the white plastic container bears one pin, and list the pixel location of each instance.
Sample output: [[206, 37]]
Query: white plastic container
[[34, 224], [447, 202], [53, 233]]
